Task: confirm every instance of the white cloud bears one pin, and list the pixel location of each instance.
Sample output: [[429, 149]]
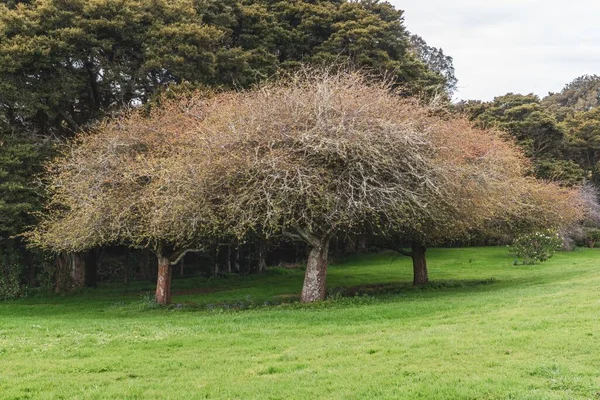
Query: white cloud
[[500, 46]]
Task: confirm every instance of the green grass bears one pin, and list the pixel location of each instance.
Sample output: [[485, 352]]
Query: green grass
[[485, 329]]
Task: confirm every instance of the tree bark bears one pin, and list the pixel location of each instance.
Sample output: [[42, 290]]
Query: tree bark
[[31, 270], [316, 271], [262, 254], [77, 268], [237, 260], [362, 243], [62, 275], [420, 275], [228, 260], [163, 283]]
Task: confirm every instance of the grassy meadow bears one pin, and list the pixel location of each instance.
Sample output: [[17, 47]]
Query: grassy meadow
[[484, 329]]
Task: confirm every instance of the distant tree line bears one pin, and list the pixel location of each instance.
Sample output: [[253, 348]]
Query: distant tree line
[[560, 133]]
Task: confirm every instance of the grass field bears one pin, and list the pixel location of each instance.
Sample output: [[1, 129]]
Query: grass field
[[485, 329]]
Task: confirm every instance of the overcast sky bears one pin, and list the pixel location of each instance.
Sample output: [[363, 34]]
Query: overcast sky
[[501, 46]]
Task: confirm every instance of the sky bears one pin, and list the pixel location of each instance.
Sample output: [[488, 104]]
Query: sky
[[519, 46]]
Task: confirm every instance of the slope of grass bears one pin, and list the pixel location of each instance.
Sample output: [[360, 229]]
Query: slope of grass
[[485, 329]]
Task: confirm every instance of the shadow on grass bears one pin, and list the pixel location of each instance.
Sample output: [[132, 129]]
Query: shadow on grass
[[337, 296], [406, 287]]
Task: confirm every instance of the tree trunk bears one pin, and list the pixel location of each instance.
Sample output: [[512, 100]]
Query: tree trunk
[[362, 243], [228, 260], [91, 268], [31, 270], [237, 260], [420, 276], [316, 272], [163, 283], [262, 254], [62, 275], [77, 268], [350, 246]]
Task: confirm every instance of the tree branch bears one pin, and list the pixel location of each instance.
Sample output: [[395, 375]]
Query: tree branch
[[308, 236], [400, 250], [292, 235], [183, 253]]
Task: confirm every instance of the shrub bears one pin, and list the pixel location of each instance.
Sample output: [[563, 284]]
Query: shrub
[[535, 247], [591, 237], [10, 274]]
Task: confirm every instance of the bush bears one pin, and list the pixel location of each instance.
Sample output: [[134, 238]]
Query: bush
[[535, 247], [591, 237], [10, 276]]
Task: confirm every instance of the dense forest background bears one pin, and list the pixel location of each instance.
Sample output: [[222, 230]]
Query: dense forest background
[[64, 65]]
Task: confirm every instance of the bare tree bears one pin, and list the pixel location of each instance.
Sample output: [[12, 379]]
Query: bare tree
[[116, 185], [483, 190]]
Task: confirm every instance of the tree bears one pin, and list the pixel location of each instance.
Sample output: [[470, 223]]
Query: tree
[[523, 117], [436, 61], [534, 128], [583, 140], [20, 197], [20, 158], [582, 94], [65, 64], [483, 191], [117, 185]]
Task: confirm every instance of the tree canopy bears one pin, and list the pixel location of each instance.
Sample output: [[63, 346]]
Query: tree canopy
[[311, 157], [63, 64], [581, 94]]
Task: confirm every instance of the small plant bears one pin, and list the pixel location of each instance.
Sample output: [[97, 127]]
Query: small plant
[[535, 247], [148, 302]]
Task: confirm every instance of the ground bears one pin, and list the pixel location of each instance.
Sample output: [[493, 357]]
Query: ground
[[485, 329]]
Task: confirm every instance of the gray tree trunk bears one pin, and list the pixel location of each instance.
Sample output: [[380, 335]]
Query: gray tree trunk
[[262, 254], [314, 288], [228, 260], [77, 268]]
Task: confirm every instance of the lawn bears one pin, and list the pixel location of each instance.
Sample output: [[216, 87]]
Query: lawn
[[484, 329]]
